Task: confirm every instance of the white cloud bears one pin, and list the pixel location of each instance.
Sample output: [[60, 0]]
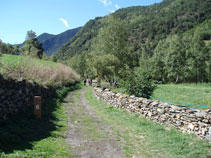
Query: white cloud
[[106, 2], [65, 22], [111, 11], [117, 7]]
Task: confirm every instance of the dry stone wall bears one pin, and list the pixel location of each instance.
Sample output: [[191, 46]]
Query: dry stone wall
[[184, 118], [17, 95]]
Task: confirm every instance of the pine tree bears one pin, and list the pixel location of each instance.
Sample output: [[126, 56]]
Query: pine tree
[[31, 46]]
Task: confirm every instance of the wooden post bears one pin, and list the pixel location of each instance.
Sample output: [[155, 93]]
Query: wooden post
[[37, 106]]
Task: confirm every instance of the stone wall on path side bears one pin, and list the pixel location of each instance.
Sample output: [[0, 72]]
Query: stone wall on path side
[[184, 118]]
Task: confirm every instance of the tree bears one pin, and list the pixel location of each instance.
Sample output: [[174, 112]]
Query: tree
[[209, 62], [199, 56], [8, 48], [139, 82], [30, 35], [78, 63], [105, 66], [158, 70], [31, 46], [112, 40], [175, 59]]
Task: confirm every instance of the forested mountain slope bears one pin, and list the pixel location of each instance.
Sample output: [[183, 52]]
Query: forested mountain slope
[[143, 24], [51, 43], [45, 36]]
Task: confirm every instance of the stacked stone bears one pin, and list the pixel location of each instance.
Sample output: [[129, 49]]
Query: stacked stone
[[184, 118], [17, 95]]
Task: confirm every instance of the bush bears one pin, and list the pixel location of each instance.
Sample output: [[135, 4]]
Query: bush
[[139, 83]]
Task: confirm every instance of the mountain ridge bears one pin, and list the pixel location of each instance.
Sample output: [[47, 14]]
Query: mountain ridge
[[143, 23], [51, 43], [45, 36]]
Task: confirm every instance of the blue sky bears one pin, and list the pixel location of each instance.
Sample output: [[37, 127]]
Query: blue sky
[[53, 16]]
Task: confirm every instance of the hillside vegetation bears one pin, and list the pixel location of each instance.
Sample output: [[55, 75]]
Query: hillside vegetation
[[48, 42], [136, 46], [148, 23], [51, 43], [35, 70]]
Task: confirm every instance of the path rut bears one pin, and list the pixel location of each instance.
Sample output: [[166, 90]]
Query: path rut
[[87, 135]]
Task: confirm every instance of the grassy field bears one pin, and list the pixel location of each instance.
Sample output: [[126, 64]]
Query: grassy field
[[23, 136], [18, 60], [42, 72], [143, 138], [184, 94]]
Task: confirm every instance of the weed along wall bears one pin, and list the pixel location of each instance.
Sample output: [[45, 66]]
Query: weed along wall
[[16, 96], [184, 118]]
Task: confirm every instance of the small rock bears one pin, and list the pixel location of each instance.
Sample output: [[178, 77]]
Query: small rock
[[209, 131], [178, 116], [201, 114], [191, 126], [203, 131]]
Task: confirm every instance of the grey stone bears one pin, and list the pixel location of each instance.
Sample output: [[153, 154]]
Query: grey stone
[[201, 114], [184, 118], [209, 131]]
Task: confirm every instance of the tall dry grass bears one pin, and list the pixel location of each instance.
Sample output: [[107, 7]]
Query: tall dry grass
[[33, 70]]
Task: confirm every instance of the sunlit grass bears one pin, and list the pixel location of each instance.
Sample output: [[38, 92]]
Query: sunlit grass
[[181, 94], [17, 60], [143, 138], [42, 72], [184, 94]]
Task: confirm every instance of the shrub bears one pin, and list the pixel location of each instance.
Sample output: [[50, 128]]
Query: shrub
[[139, 83]]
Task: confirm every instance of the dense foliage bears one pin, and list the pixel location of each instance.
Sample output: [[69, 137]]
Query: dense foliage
[[82, 41], [8, 48], [149, 23], [168, 42], [31, 46], [184, 58], [139, 82]]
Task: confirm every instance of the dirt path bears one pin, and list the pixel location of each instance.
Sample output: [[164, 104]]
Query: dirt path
[[87, 135]]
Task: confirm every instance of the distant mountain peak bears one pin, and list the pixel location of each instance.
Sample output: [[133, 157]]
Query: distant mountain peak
[[51, 43]]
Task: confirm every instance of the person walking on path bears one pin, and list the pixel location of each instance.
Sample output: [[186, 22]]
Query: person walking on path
[[90, 82], [84, 81]]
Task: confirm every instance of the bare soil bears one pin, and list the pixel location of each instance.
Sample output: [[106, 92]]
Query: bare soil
[[87, 135]]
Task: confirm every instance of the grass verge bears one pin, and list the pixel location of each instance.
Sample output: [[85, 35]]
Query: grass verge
[[143, 138], [23, 136]]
